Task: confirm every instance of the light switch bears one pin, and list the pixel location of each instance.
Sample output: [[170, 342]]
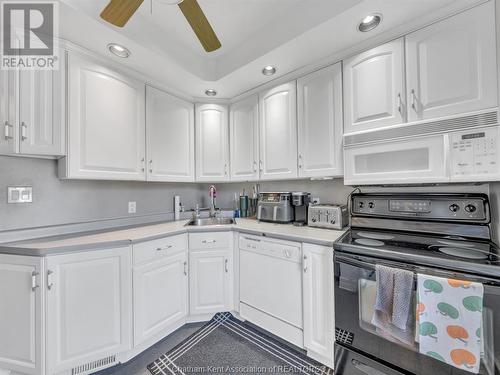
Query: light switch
[[132, 207], [19, 194]]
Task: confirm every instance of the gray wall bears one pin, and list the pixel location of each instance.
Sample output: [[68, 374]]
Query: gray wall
[[63, 201]]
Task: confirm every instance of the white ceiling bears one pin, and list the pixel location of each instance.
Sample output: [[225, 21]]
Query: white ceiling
[[290, 34]]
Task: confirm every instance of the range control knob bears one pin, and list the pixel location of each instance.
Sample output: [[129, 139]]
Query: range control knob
[[361, 204], [470, 208], [332, 221], [454, 208], [371, 204], [314, 220]]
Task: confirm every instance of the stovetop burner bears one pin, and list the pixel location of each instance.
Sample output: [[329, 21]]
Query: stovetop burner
[[464, 252], [368, 242]]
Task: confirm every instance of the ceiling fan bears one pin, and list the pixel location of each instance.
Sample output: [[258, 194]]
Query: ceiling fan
[[118, 12]]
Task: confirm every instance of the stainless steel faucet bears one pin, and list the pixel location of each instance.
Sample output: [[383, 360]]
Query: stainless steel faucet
[[212, 192]]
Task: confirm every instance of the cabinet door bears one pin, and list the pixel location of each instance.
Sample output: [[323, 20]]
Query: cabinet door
[[212, 143], [319, 325], [278, 132], [210, 281], [88, 308], [40, 120], [451, 65], [8, 111], [160, 296], [21, 314], [415, 160], [320, 123], [106, 123], [169, 137], [244, 139], [374, 88]]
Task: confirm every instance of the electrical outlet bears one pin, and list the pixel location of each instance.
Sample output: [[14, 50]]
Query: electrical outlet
[[19, 194], [132, 207]]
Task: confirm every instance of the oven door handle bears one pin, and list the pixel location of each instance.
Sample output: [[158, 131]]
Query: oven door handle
[[365, 369], [370, 264]]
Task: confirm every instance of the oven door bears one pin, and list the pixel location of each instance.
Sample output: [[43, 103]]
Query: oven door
[[355, 281]]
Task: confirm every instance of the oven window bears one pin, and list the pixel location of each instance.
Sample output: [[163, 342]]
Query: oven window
[[356, 295]]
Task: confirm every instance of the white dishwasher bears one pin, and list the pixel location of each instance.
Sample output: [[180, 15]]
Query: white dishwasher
[[271, 285]]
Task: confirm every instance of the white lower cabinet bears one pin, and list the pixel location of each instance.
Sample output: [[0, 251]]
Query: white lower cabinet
[[414, 160], [210, 273], [88, 310], [21, 314], [318, 302], [160, 289]]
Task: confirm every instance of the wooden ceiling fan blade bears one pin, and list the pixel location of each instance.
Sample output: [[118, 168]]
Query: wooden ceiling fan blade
[[200, 25], [118, 12]]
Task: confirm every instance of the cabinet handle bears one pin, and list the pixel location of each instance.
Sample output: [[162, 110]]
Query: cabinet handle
[[151, 166], [260, 166], [164, 248], [413, 100], [50, 284], [400, 104], [225, 169], [255, 166], [225, 266], [304, 263], [34, 285], [185, 268], [208, 241], [300, 161], [143, 165], [7, 130], [24, 128]]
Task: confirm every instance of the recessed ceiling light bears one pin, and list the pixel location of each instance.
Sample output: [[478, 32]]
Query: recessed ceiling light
[[269, 70], [369, 22], [210, 92], [118, 50]]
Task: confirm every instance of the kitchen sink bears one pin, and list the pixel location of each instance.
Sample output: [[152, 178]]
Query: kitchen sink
[[211, 221]]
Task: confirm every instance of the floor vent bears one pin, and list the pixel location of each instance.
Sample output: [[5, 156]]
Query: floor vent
[[430, 127], [92, 366], [343, 337]]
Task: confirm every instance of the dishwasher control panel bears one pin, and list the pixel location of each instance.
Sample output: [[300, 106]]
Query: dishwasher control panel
[[287, 250]]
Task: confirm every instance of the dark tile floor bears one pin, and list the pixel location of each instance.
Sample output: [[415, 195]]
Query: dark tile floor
[[137, 365]]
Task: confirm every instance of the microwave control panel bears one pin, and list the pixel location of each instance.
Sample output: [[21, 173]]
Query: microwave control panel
[[475, 153]]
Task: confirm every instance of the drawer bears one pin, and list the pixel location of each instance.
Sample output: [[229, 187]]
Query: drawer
[[210, 240], [156, 249]]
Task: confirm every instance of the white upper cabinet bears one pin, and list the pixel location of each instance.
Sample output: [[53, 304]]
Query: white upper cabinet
[[212, 143], [244, 139], [374, 88], [32, 105], [41, 107], [169, 137], [106, 123], [320, 123], [278, 132], [8, 111], [451, 65]]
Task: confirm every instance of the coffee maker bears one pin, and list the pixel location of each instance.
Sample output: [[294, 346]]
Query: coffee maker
[[300, 202]]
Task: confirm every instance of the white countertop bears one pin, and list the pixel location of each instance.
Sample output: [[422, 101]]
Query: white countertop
[[123, 237]]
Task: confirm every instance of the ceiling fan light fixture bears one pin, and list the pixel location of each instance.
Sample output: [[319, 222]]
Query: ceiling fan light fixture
[[210, 92], [370, 22], [119, 50], [269, 70]]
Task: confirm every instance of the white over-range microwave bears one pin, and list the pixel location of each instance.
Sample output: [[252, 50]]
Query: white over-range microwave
[[460, 149]]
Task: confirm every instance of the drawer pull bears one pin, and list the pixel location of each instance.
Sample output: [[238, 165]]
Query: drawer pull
[[185, 268], [164, 248], [225, 266], [208, 241], [305, 263], [34, 285]]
